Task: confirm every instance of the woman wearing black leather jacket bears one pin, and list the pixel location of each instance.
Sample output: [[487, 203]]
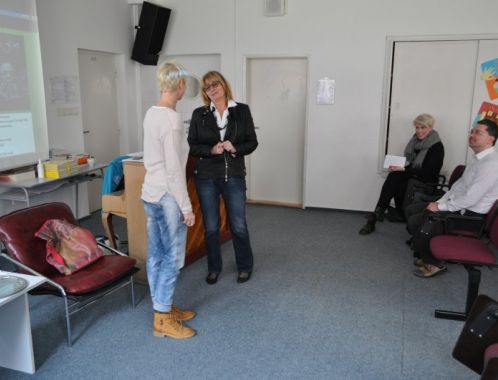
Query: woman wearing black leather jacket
[[221, 133]]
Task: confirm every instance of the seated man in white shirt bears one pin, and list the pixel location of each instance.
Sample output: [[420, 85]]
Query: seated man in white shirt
[[473, 194]]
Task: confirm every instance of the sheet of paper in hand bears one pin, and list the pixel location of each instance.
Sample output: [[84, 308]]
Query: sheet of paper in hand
[[391, 160]]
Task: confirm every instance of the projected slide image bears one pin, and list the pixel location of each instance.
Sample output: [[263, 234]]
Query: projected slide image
[[23, 120], [16, 134], [13, 74]]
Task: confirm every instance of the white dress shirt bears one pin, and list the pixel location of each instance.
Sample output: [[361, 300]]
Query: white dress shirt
[[477, 189], [222, 120], [165, 157]]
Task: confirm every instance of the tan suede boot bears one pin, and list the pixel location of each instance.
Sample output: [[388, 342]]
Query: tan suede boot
[[182, 315], [165, 324]]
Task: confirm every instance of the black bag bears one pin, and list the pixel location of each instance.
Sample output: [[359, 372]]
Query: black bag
[[415, 192], [479, 332]]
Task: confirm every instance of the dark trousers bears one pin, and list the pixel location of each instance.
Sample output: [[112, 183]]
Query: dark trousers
[[417, 215], [394, 187], [233, 191]]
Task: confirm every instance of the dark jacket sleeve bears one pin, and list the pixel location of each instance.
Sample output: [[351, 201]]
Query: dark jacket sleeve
[[433, 162], [198, 148], [248, 141]]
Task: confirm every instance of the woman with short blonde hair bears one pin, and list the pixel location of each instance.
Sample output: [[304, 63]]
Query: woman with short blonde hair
[[166, 201]]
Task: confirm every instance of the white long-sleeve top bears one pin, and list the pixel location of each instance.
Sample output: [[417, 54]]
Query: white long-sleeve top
[[165, 157], [477, 189]]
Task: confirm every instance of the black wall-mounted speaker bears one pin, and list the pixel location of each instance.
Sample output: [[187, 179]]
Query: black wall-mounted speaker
[[151, 29]]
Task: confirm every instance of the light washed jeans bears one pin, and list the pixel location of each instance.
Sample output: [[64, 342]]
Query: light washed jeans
[[166, 238]]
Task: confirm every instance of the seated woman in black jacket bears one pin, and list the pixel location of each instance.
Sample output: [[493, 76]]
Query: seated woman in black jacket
[[424, 156]]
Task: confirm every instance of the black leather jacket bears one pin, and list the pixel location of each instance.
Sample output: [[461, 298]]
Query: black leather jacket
[[204, 134]]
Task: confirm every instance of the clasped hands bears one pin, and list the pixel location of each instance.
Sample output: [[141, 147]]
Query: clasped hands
[[222, 146]]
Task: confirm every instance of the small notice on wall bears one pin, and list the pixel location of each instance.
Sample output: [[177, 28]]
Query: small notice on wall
[[64, 89], [325, 92]]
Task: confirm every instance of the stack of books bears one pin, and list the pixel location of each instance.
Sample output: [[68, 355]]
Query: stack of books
[[60, 168]]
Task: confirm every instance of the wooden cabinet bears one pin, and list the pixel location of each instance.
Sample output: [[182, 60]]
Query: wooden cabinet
[[134, 172]]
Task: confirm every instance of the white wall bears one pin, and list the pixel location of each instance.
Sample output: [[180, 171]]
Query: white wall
[[344, 41], [65, 26]]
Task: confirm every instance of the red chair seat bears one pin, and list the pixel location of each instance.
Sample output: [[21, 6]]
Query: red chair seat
[[461, 248], [103, 272]]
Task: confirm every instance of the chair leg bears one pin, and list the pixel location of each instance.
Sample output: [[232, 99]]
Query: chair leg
[[132, 289], [68, 323], [474, 279], [472, 287], [109, 229]]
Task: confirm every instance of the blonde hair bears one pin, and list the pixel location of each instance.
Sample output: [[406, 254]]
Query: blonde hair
[[169, 76], [212, 76], [425, 120]]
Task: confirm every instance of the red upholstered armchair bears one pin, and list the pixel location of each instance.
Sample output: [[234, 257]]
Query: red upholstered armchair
[[111, 272], [471, 252]]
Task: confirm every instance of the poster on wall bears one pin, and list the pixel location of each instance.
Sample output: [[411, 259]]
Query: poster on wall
[[490, 77], [487, 111]]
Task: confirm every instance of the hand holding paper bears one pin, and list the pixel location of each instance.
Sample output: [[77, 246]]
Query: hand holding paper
[[397, 161]]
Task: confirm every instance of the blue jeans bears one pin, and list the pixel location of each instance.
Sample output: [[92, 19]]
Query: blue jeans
[[166, 240], [234, 194]]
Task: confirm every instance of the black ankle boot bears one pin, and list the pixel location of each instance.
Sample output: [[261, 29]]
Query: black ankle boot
[[369, 227], [379, 213]]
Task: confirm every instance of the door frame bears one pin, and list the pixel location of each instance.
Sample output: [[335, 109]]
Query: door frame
[[246, 58], [387, 79]]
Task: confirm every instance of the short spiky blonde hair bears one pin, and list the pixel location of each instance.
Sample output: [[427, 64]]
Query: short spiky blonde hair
[[212, 76], [425, 120], [169, 76]]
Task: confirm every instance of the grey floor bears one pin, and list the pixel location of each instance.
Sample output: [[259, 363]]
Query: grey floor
[[323, 303]]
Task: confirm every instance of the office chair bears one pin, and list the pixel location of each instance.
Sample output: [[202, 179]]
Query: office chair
[[477, 345], [470, 251]]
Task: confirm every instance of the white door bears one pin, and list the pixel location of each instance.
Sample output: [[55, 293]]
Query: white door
[[435, 77], [276, 94], [97, 72]]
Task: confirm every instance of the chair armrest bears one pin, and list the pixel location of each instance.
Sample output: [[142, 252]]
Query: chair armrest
[[110, 249], [32, 271], [464, 225], [429, 198], [427, 188]]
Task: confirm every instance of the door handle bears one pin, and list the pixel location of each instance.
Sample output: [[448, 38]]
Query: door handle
[[86, 132]]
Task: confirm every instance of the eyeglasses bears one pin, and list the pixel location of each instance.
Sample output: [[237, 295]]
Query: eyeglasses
[[480, 132], [211, 86]]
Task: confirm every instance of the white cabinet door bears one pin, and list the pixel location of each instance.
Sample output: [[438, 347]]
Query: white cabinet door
[[435, 77]]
